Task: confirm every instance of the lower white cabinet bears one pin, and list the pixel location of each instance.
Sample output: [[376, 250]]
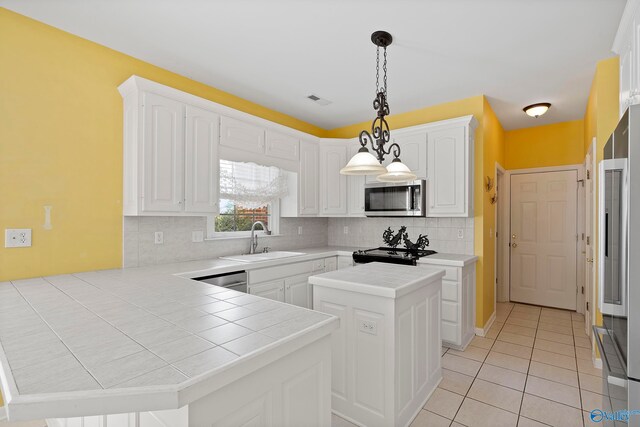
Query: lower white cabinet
[[290, 282], [458, 305], [345, 261]]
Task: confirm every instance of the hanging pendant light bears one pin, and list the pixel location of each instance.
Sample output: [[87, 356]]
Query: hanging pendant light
[[365, 163]]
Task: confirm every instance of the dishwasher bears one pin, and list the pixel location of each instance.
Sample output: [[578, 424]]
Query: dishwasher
[[234, 280]]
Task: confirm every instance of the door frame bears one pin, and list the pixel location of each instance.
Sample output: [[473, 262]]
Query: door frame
[[579, 168], [590, 286], [500, 276]]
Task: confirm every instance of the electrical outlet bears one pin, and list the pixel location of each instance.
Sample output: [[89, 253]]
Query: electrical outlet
[[159, 238], [345, 230], [369, 327], [299, 230], [17, 237], [197, 236], [460, 233]]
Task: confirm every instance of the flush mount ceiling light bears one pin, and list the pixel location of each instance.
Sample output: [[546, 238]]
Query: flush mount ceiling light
[[536, 110], [365, 163]]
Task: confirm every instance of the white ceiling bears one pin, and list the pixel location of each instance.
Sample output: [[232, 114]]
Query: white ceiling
[[276, 52]]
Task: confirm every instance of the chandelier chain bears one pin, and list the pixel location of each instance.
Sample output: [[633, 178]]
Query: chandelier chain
[[378, 69], [384, 69]]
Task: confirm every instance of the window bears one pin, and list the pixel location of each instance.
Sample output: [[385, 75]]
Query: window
[[248, 193], [234, 217]]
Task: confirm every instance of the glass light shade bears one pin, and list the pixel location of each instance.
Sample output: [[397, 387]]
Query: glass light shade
[[536, 110], [397, 172], [363, 163]]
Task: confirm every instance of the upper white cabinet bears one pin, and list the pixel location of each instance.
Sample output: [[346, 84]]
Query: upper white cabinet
[[450, 169], [281, 146], [170, 155], [627, 45], [162, 184], [240, 135], [309, 178], [413, 151], [333, 186], [202, 164], [355, 184]]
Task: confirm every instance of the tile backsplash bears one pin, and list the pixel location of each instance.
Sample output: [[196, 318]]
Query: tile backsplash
[[367, 232], [139, 248]]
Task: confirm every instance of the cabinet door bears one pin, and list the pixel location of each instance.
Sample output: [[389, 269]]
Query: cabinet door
[[333, 186], [163, 154], [413, 152], [281, 146], [330, 264], [297, 291], [202, 167], [309, 178], [448, 172], [270, 290], [240, 135], [355, 205]]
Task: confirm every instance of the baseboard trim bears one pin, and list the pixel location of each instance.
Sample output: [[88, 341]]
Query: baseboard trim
[[3, 413], [481, 332]]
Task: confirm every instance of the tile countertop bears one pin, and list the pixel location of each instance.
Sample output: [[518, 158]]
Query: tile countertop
[[380, 279], [148, 338]]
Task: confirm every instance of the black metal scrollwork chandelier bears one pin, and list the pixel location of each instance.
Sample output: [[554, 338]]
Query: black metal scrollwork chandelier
[[365, 163]]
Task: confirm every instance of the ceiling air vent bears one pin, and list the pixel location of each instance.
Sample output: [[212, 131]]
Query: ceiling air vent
[[318, 100]]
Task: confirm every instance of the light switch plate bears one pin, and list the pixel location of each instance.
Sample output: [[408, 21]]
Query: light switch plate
[[17, 237]]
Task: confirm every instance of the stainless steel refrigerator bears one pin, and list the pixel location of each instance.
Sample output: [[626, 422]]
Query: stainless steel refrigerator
[[618, 337]]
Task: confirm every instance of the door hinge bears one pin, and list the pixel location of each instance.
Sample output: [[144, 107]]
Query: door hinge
[[587, 305], [588, 240], [583, 290], [582, 236], [588, 174]]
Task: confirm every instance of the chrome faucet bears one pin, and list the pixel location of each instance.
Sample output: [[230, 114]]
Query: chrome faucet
[[254, 237]]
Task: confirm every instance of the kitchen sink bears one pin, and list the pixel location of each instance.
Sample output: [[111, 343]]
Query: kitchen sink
[[262, 256]]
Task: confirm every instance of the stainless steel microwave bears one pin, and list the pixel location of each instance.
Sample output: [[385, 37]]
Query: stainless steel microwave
[[395, 199]]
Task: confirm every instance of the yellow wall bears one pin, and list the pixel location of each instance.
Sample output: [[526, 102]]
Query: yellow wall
[[601, 118], [551, 145], [61, 144]]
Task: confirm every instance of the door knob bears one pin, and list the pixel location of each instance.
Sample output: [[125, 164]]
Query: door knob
[[514, 245]]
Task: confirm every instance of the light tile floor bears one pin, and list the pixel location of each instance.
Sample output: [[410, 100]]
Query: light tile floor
[[533, 368]]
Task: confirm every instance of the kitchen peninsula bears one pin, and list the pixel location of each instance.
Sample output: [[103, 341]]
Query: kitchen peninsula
[[386, 353]]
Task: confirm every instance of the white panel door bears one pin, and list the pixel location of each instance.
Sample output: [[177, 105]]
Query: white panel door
[[333, 186], [163, 154], [271, 290], [281, 146], [297, 291], [202, 167], [544, 239], [355, 201], [241, 135], [309, 178], [447, 172], [413, 152]]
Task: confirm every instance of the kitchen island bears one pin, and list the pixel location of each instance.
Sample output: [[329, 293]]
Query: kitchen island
[[147, 347], [386, 353]]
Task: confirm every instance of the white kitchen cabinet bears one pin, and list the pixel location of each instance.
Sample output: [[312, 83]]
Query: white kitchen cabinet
[[458, 304], [413, 151], [345, 261], [309, 178], [240, 135], [627, 46], [163, 154], [274, 290], [333, 186], [355, 190], [202, 163], [281, 146], [170, 155], [450, 171], [297, 290]]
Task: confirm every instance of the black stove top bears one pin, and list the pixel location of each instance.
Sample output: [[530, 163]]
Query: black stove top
[[391, 255]]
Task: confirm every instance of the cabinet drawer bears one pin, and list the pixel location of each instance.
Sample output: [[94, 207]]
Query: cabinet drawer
[[318, 264], [450, 290], [451, 273], [450, 311], [279, 272], [449, 331]]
